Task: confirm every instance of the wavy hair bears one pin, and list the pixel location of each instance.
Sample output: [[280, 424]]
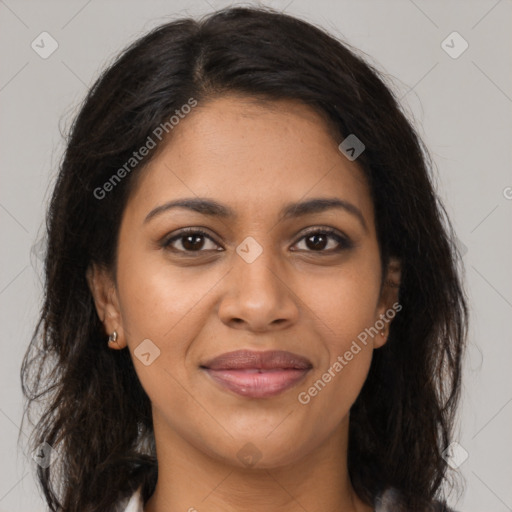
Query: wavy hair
[[95, 413]]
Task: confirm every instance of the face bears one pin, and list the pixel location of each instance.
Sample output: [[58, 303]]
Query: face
[[244, 270]]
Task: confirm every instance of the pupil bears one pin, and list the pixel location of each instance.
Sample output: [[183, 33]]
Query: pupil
[[190, 242], [317, 245]]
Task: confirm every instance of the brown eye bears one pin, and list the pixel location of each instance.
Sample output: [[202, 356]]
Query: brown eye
[[318, 241], [191, 240]]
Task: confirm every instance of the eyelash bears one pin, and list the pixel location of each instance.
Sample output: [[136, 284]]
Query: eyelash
[[343, 241]]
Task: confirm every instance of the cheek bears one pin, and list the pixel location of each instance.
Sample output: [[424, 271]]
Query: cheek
[[168, 306], [344, 301], [344, 311], [158, 299], [343, 318]]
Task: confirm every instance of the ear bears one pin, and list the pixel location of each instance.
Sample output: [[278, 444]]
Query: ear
[[388, 304], [104, 293]]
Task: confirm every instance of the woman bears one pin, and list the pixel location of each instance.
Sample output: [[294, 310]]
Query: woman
[[252, 294]]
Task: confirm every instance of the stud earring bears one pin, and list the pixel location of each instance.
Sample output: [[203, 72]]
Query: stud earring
[[113, 337], [382, 333]]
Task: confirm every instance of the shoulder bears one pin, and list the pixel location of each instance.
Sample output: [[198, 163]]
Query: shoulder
[[391, 501]]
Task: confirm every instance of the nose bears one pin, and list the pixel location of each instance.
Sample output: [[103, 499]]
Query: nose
[[258, 295]]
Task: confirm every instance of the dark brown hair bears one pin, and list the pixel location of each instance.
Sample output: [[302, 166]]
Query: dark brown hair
[[95, 412]]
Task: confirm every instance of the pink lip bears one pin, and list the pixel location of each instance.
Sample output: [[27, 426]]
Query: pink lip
[[250, 359], [256, 383], [258, 374]]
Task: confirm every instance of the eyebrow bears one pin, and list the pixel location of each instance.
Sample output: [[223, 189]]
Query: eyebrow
[[213, 208]]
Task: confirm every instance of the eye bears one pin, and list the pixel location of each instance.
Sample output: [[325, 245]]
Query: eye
[[191, 240], [196, 240], [317, 239]]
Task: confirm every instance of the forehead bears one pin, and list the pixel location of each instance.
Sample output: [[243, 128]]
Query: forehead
[[251, 154]]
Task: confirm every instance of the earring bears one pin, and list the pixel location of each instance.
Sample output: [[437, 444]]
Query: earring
[[382, 333], [113, 337]]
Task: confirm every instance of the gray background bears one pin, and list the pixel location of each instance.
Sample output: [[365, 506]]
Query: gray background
[[462, 110]]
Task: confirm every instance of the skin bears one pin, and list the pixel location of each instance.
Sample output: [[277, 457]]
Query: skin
[[310, 300]]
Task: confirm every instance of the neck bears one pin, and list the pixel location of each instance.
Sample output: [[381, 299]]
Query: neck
[[190, 480]]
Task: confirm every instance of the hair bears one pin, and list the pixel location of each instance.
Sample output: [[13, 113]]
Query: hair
[[96, 414]]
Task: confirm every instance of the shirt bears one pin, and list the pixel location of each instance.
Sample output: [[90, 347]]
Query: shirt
[[134, 504], [386, 503]]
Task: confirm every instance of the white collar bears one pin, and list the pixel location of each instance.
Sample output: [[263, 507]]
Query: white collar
[[135, 503]]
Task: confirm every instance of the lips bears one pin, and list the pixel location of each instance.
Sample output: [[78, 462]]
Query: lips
[[257, 374], [269, 360]]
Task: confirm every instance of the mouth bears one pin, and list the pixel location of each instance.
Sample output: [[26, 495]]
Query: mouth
[[257, 374]]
